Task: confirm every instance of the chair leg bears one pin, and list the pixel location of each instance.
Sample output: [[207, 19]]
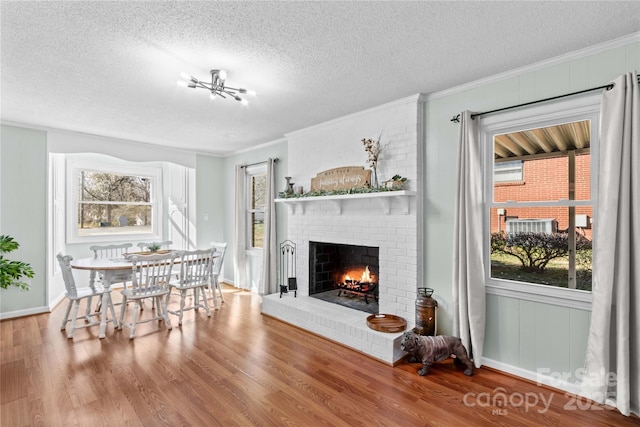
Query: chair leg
[[135, 320], [66, 316], [183, 296], [113, 313], [203, 294], [215, 285], [212, 292], [122, 307], [165, 312], [87, 313], [74, 319], [219, 289]]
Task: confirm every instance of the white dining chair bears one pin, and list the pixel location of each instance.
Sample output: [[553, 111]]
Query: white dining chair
[[164, 245], [118, 251], [76, 294], [194, 275], [150, 279], [220, 248]]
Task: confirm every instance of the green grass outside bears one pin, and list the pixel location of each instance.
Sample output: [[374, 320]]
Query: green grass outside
[[556, 274]]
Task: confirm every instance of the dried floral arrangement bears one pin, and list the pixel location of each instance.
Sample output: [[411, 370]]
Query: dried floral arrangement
[[373, 149]]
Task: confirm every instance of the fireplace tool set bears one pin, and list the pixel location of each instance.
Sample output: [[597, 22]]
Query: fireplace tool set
[[287, 274]]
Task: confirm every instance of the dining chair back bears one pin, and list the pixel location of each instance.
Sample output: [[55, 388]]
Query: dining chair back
[[110, 251], [150, 280], [194, 274], [220, 248], [114, 252], [76, 294], [166, 244]]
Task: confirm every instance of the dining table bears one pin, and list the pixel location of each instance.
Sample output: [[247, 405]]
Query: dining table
[[110, 269]]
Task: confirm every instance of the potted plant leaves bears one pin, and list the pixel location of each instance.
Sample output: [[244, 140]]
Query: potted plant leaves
[[12, 272]]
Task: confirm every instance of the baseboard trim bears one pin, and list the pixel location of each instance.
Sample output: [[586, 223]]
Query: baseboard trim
[[535, 377], [23, 313]]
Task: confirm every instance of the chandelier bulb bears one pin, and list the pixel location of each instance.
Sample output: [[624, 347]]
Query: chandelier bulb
[[223, 75], [212, 96]]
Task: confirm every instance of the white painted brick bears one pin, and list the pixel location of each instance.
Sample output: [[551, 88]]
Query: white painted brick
[[361, 221]]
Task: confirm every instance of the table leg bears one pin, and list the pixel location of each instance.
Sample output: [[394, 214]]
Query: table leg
[[106, 282], [92, 279]]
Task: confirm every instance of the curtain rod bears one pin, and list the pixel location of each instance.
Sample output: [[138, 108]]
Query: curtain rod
[[259, 163], [456, 118]]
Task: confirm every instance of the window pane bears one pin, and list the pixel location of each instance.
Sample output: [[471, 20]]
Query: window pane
[[555, 164], [509, 171], [257, 229], [102, 219], [532, 245], [258, 191], [108, 187]]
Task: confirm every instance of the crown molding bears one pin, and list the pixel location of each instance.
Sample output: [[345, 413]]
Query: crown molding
[[151, 145], [256, 147], [578, 54]]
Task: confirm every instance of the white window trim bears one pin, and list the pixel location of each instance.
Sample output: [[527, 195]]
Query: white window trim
[[251, 171], [75, 165], [540, 115]]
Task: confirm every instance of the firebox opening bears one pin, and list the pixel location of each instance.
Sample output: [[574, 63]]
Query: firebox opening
[[344, 274]]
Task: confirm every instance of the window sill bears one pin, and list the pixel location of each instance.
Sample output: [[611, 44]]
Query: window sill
[[571, 298], [509, 183]]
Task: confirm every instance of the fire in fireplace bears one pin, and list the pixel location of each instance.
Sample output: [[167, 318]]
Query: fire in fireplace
[[364, 285], [342, 273]]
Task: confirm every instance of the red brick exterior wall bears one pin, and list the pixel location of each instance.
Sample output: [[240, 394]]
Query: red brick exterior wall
[[545, 180]]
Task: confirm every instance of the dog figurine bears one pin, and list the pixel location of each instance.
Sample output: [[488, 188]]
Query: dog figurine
[[427, 350]]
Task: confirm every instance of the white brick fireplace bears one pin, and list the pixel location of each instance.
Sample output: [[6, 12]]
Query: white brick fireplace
[[388, 221]]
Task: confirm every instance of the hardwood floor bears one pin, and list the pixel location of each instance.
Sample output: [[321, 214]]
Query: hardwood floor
[[239, 368]]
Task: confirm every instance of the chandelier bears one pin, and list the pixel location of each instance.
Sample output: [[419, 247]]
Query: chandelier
[[217, 86]]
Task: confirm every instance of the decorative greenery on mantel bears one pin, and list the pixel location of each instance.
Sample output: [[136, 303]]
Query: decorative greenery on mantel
[[283, 195]]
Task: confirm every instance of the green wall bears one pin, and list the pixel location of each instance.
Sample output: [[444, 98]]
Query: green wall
[[210, 191], [23, 201], [278, 150], [23, 209], [519, 333]]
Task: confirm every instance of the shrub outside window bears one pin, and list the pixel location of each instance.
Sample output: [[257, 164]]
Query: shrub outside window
[[538, 233]]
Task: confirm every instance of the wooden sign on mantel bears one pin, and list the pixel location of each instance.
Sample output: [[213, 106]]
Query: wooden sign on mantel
[[343, 178]]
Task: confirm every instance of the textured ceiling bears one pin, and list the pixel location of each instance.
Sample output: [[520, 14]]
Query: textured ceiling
[[109, 68]]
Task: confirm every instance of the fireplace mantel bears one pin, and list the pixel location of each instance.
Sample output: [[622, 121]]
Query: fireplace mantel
[[384, 197]]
